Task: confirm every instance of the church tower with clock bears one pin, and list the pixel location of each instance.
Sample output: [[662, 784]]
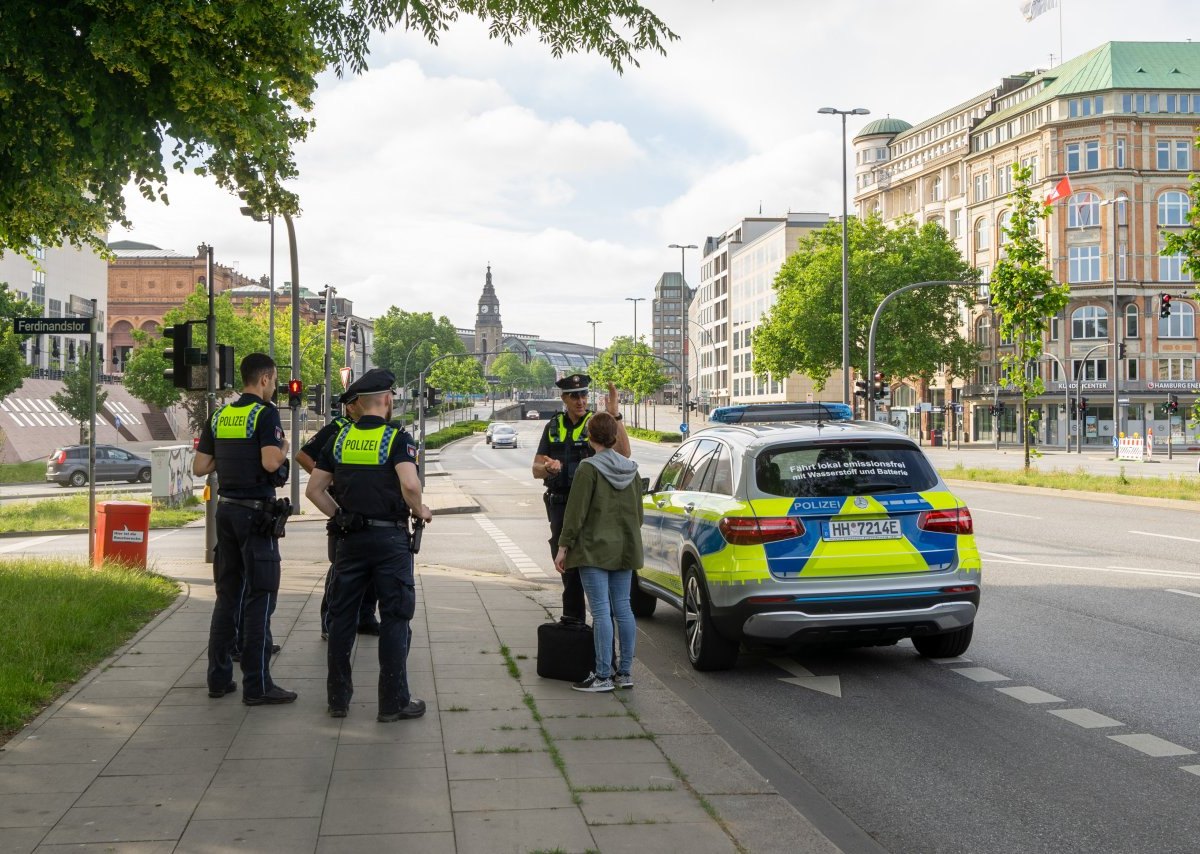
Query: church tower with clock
[[489, 332]]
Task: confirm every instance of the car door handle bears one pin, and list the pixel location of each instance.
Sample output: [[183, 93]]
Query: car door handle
[[660, 503], [689, 507]]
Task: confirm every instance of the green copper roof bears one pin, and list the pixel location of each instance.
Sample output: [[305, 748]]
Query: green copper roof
[[1114, 65], [880, 127]]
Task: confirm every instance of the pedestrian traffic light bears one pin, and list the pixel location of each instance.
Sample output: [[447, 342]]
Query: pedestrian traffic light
[[879, 387], [1172, 403], [295, 393], [1083, 406], [1164, 305], [433, 397], [860, 388], [226, 367], [1121, 350]]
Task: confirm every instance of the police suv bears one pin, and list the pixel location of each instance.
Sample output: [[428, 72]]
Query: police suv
[[793, 523]]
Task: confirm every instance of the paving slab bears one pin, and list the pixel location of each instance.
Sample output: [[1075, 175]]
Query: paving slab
[[518, 831], [711, 766], [638, 776], [678, 805], [17, 779], [409, 843], [36, 751], [260, 835], [40, 809], [110, 848], [612, 752], [769, 823], [132, 823], [695, 838], [580, 729], [145, 789], [23, 840], [246, 802], [487, 795], [499, 766], [366, 757]]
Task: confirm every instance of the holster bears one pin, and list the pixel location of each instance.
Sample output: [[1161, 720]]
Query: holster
[[272, 519], [344, 523], [414, 538]]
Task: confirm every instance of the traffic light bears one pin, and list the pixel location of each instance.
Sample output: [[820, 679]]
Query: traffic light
[[860, 388], [879, 387], [1083, 406], [433, 397], [1121, 350], [226, 367], [182, 357], [295, 393], [1164, 305], [691, 406], [1172, 403], [316, 398]]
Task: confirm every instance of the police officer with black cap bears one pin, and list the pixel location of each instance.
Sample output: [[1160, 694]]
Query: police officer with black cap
[[307, 458], [563, 446], [366, 481], [244, 444]]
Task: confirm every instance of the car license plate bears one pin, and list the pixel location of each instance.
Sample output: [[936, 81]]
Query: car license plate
[[862, 529]]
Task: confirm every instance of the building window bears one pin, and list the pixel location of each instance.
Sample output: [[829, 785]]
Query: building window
[[1004, 179], [1083, 264], [1094, 370], [1083, 211], [1181, 323], [957, 220], [1080, 107], [982, 235], [1131, 321], [935, 189], [1120, 153], [1170, 268], [1173, 207], [981, 186], [1091, 155], [1032, 163], [1183, 155], [39, 287], [983, 331], [1177, 369], [1055, 323], [1089, 321], [1131, 369], [1123, 261], [1073, 156]]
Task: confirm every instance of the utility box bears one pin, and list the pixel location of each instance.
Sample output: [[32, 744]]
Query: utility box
[[122, 529], [171, 481]]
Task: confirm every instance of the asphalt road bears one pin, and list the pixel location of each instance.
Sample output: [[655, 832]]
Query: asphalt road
[[1064, 728]]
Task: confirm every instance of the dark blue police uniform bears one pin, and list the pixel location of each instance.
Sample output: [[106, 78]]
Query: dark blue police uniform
[[246, 568], [362, 459]]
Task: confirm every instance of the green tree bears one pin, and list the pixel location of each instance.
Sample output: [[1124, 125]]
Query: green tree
[[632, 367], [512, 371], [403, 341], [918, 332], [541, 373], [95, 92], [75, 398], [13, 369], [1024, 295]]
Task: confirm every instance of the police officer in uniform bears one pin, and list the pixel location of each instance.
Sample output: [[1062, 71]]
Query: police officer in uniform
[[244, 444], [307, 458], [563, 446], [366, 481]]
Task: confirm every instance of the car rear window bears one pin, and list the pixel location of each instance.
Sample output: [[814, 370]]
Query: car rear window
[[865, 468]]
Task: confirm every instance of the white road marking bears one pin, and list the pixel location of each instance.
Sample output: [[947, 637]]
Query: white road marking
[[1191, 769], [1183, 592], [831, 685], [958, 659], [33, 542], [1152, 745], [981, 674], [1160, 572], [160, 536], [521, 561], [1027, 694], [1002, 513], [1085, 718], [1004, 556], [1166, 536]]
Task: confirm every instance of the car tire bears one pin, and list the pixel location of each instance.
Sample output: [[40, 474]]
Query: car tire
[[642, 603], [947, 645], [77, 478], [707, 649], [143, 476]]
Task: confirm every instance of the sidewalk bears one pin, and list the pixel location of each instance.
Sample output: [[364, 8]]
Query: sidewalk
[[137, 758]]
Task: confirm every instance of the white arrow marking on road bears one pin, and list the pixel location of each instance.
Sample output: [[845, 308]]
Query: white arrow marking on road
[[1166, 536], [831, 685]]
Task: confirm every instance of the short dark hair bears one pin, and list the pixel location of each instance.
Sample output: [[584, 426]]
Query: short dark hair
[[602, 429], [255, 367]]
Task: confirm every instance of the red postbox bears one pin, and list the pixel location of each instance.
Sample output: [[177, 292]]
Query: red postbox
[[122, 529]]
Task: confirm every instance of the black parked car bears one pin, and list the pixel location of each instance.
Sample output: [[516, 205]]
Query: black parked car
[[69, 466]]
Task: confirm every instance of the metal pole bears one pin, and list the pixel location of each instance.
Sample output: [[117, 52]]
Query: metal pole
[[210, 506], [421, 424], [685, 394], [295, 261], [92, 438], [846, 283], [1116, 358], [595, 323], [326, 408], [271, 310], [1079, 389]]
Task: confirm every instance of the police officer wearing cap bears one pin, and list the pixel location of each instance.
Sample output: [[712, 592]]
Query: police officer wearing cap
[[307, 458], [366, 481], [563, 446], [244, 444]]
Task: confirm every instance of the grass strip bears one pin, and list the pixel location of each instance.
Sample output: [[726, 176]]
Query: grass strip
[[653, 435], [71, 513], [31, 472], [1172, 486], [61, 618], [455, 431]]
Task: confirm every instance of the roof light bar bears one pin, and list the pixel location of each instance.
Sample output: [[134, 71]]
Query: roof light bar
[[759, 413]]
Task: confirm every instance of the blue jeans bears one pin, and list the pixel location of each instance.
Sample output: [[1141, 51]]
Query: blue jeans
[[608, 599]]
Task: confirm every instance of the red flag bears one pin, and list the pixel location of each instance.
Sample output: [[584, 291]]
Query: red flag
[[1061, 190]]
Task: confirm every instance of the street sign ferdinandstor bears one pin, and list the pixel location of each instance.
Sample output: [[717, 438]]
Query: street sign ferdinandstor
[[52, 325]]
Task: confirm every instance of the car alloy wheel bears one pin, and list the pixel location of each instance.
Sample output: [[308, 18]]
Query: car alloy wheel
[[693, 617], [144, 476], [78, 478]]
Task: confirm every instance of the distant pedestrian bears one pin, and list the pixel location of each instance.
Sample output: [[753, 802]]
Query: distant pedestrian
[[602, 538]]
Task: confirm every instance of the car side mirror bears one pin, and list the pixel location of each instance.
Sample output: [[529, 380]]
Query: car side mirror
[[645, 486]]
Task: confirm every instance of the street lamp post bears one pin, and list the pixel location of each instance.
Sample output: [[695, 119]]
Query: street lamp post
[[328, 293], [594, 324], [294, 258], [857, 111], [685, 393], [404, 381], [246, 211], [635, 301]]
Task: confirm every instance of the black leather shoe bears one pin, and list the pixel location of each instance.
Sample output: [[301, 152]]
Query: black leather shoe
[[218, 693], [275, 697], [336, 713], [414, 709], [371, 628]]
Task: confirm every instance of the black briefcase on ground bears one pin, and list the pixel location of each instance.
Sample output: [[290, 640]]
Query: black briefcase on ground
[[565, 651]]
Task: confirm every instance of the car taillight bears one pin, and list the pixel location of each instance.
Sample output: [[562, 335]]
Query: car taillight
[[956, 521], [748, 531], [59, 458]]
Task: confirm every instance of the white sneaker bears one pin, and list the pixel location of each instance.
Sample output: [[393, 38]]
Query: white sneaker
[[594, 684], [623, 680]]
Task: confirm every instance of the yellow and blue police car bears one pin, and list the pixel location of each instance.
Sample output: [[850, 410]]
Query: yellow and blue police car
[[794, 523]]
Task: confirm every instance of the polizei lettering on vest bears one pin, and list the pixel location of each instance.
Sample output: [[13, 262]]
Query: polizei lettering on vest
[[361, 445], [231, 421]]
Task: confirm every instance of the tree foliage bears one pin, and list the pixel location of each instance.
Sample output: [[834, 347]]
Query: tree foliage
[[541, 373], [75, 397], [918, 332], [13, 369], [1024, 295], [460, 375], [403, 342], [92, 92], [512, 371], [632, 366]]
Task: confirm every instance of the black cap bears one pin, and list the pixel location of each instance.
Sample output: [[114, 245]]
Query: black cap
[[374, 381], [575, 382]]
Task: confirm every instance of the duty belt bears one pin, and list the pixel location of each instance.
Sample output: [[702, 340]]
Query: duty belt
[[385, 523], [242, 502], [556, 497]]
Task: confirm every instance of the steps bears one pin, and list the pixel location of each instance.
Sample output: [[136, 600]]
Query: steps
[[160, 427]]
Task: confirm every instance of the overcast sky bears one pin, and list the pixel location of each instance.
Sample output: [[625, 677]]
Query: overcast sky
[[571, 179]]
